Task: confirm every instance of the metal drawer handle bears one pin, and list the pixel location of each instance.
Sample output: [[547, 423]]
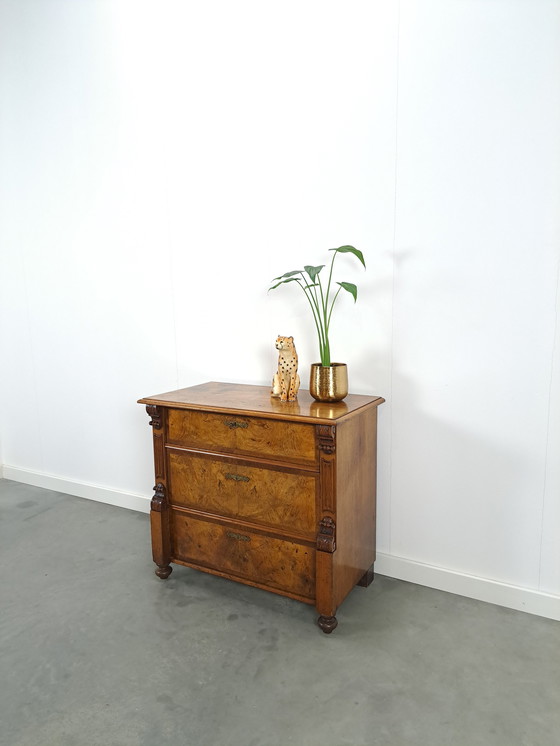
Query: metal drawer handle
[[239, 537], [232, 424], [237, 477]]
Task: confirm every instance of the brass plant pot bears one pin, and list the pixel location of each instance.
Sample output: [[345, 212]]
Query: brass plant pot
[[328, 383]]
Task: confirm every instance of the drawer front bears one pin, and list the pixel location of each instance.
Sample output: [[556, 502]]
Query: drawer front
[[253, 436], [272, 497], [267, 561]]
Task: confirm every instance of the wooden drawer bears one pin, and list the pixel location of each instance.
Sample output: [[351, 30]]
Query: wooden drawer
[[253, 436], [275, 497], [269, 562]]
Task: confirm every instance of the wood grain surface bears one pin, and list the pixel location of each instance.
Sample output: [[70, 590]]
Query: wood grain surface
[[257, 436], [230, 487], [241, 554], [256, 400]]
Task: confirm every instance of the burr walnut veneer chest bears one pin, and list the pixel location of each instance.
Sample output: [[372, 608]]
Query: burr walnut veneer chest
[[277, 495]]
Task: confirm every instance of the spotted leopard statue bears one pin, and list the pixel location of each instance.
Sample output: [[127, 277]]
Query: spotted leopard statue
[[285, 384]]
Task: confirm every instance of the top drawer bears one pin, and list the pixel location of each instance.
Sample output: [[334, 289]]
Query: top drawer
[[293, 442]]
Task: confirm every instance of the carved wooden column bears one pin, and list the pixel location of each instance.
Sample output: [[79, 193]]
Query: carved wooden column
[[326, 535], [159, 513]]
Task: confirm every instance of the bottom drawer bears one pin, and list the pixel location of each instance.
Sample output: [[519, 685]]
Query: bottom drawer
[[278, 564]]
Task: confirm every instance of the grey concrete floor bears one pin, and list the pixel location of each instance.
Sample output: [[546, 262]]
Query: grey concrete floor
[[95, 650]]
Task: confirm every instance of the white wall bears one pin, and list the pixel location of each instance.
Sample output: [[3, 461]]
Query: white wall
[[475, 293], [162, 161]]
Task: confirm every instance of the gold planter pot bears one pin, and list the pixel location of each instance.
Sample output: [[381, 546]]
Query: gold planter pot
[[328, 383]]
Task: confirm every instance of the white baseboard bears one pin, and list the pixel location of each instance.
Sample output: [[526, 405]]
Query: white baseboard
[[470, 586], [78, 489]]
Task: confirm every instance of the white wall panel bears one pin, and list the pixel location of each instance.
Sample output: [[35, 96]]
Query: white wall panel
[[86, 226], [475, 283], [21, 436], [549, 580]]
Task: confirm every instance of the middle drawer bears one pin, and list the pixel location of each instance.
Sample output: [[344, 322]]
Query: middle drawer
[[277, 497]]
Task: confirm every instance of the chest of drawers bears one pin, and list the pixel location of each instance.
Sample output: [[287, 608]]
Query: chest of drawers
[[277, 495]]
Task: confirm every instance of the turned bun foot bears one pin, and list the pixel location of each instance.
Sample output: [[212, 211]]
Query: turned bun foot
[[327, 623], [163, 571]]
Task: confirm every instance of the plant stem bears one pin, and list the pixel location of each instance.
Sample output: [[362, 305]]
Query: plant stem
[[332, 306], [325, 348], [316, 314], [330, 275]]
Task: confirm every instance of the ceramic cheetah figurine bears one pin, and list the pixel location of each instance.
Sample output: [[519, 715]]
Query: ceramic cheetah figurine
[[285, 383]]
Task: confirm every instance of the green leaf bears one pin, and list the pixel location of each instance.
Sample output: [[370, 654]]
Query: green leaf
[[350, 250], [287, 274], [282, 282], [313, 271], [352, 289]]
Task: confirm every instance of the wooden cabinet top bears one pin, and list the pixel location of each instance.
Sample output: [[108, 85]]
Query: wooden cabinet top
[[256, 400]]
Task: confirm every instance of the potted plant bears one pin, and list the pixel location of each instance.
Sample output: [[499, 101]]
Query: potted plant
[[329, 381]]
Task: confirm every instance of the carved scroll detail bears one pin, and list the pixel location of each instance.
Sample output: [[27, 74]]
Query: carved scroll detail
[[326, 538], [155, 414], [158, 500], [326, 436]]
